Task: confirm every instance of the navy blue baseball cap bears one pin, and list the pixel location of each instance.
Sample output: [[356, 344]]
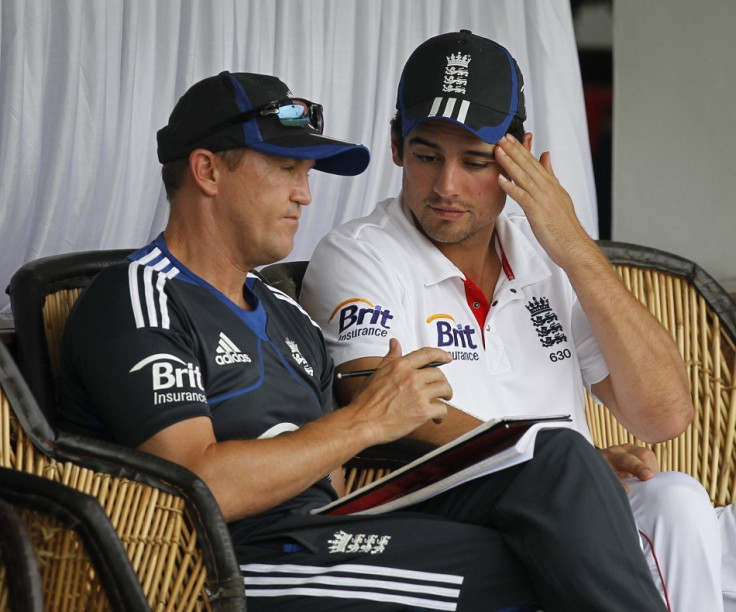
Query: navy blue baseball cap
[[463, 78], [255, 111]]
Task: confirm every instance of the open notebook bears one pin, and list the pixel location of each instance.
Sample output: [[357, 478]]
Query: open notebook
[[492, 446]]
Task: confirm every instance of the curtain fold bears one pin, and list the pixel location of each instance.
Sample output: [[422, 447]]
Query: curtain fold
[[85, 85]]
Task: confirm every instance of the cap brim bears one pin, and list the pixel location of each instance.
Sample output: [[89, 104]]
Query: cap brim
[[421, 112], [331, 155]]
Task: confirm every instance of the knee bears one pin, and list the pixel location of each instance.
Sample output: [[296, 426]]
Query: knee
[[563, 437], [564, 442], [570, 453], [674, 496]]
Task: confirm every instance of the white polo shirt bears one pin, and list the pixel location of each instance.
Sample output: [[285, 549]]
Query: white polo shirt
[[379, 277]]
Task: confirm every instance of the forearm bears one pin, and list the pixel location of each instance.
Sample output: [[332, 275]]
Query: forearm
[[648, 379], [251, 476]]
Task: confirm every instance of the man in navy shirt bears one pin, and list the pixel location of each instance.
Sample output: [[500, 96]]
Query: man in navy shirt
[[184, 353]]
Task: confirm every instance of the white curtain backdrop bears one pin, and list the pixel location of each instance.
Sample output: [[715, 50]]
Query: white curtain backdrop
[[85, 84]]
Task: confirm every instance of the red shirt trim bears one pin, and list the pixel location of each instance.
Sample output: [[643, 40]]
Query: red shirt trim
[[476, 299]]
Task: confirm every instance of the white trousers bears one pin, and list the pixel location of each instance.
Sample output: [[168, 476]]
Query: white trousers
[[727, 520], [681, 537]]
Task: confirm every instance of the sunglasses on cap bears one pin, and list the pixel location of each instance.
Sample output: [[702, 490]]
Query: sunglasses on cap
[[291, 112]]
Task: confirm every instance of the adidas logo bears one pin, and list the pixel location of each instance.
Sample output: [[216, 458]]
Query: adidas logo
[[228, 353]]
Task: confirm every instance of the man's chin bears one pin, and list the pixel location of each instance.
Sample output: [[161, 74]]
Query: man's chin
[[445, 233]]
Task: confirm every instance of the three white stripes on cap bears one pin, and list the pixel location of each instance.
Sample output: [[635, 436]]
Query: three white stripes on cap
[[449, 108]]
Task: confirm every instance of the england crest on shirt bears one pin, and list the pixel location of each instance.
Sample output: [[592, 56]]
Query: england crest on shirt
[[545, 321], [297, 356]]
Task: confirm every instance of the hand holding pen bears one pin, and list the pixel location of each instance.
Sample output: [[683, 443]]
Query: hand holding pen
[[401, 394]]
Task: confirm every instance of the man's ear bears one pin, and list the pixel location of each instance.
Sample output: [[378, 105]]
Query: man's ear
[[204, 169], [527, 141], [396, 154]]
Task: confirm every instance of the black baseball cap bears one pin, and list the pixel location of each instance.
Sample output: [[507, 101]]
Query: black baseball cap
[[235, 110], [463, 78]]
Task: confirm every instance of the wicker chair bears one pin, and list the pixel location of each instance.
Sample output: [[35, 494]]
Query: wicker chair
[[81, 561], [166, 517], [20, 579], [702, 319], [42, 293], [286, 276]]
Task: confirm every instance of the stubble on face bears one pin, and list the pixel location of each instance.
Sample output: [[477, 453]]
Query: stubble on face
[[447, 231]]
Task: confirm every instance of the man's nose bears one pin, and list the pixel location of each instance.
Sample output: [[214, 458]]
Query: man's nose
[[446, 184]]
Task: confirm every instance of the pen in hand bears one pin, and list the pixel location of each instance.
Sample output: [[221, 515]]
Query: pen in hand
[[354, 373]]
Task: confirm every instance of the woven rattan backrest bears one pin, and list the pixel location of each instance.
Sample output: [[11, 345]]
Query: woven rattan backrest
[[21, 589], [82, 563], [358, 475], [151, 523], [42, 293], [68, 576], [55, 314], [699, 315]]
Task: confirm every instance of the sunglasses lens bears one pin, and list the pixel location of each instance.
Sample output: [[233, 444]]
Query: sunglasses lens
[[295, 114], [301, 114]]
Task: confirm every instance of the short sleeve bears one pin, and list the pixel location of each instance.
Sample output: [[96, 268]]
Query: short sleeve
[[122, 382], [593, 366], [346, 286]]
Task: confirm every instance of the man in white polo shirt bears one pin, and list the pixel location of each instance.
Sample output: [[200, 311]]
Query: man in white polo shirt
[[404, 287], [527, 305]]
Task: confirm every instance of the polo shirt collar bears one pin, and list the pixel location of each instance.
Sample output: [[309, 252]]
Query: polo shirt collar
[[523, 257], [430, 264]]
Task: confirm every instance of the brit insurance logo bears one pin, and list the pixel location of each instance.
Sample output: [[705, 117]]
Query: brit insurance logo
[[172, 379], [548, 327], [359, 317], [458, 339]]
